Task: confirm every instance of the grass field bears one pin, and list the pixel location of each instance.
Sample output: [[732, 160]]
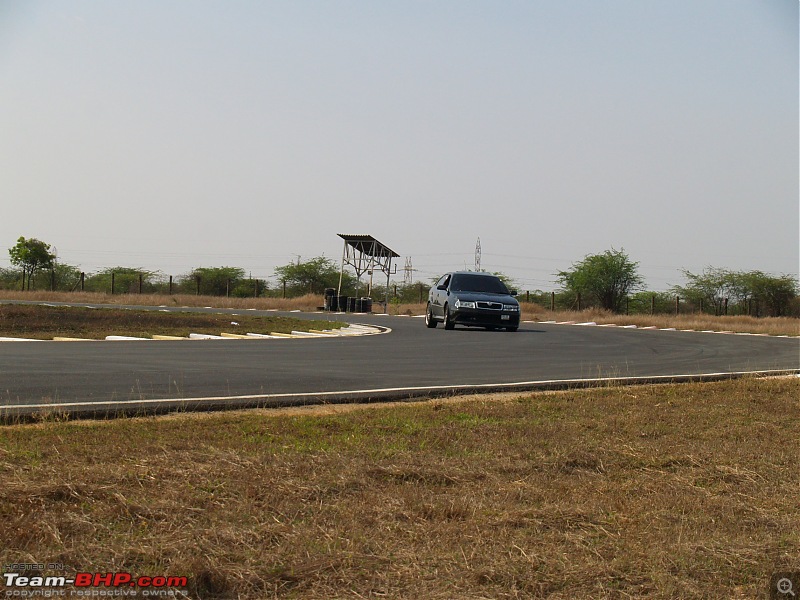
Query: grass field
[[686, 491], [47, 322]]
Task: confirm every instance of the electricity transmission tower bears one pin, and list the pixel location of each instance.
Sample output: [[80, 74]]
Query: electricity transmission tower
[[478, 255], [408, 272]]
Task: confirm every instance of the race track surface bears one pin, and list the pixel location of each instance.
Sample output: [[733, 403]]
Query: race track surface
[[404, 362]]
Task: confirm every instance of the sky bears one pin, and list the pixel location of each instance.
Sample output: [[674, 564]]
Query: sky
[[174, 135]]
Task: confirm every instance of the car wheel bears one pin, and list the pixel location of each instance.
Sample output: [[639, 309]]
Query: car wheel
[[511, 328], [429, 320], [448, 320]]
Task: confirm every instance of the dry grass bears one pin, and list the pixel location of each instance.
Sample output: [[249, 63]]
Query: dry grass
[[47, 322], [650, 492], [309, 302]]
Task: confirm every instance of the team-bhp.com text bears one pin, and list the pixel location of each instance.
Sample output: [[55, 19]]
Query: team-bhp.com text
[[92, 585]]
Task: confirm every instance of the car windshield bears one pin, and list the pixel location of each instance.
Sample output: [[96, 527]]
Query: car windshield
[[464, 282]]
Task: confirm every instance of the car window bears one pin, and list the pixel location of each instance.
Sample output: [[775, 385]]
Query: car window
[[466, 282]]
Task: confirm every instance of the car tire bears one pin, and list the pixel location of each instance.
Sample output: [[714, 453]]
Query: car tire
[[448, 320], [430, 322]]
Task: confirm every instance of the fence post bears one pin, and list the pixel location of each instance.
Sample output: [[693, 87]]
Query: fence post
[[197, 278], [255, 288], [170, 285], [653, 304], [552, 301], [725, 304], [52, 280], [528, 296], [113, 276], [627, 305], [140, 283], [677, 305], [83, 279], [284, 288]]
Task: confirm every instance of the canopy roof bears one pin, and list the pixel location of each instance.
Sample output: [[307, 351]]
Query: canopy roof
[[368, 246]]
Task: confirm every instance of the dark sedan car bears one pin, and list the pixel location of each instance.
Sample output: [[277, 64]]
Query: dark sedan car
[[474, 299]]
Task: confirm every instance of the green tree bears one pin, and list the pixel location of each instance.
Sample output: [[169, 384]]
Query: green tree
[[214, 281], [66, 277], [31, 255], [9, 279], [714, 285], [126, 280], [710, 287], [313, 276], [603, 279], [775, 292]]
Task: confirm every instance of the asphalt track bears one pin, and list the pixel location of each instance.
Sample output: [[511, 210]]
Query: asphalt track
[[409, 361]]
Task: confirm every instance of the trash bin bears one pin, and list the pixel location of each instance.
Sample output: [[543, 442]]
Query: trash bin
[[339, 303], [365, 305], [351, 304], [330, 294]]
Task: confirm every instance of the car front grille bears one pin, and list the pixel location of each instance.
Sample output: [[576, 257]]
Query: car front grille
[[490, 305]]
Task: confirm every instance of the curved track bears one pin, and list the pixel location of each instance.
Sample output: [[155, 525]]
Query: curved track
[[411, 360]]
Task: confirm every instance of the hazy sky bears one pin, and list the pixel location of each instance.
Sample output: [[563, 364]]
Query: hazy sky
[[174, 134]]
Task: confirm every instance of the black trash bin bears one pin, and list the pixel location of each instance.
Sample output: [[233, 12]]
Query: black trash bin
[[365, 305], [330, 295], [339, 303]]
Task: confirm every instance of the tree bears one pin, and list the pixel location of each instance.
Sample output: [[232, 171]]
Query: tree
[[214, 281], [313, 276], [9, 279], [31, 255], [714, 285], [711, 287], [125, 280], [776, 292], [66, 277], [606, 279]]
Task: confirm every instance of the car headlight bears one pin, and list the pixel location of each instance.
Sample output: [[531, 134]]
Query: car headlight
[[462, 304], [511, 307]]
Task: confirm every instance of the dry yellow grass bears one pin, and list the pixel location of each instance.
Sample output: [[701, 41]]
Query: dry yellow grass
[[650, 492], [308, 302]]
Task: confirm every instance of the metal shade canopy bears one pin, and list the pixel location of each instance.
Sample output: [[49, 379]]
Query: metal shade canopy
[[366, 254]]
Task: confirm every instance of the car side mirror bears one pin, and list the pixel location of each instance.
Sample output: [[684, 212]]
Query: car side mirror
[[441, 287], [513, 292]]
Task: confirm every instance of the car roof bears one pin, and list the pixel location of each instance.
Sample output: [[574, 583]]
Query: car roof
[[484, 274]]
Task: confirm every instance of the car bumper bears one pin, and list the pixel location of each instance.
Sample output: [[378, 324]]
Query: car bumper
[[485, 318]]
